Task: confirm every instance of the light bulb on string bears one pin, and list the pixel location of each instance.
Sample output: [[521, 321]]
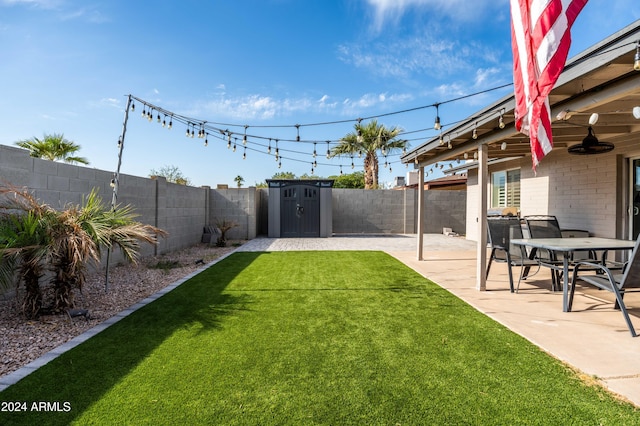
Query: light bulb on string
[[341, 170], [119, 142], [441, 140], [474, 135], [144, 112], [297, 133], [133, 107], [244, 154], [436, 124], [501, 121], [206, 140], [315, 164], [359, 138], [449, 145], [328, 151], [188, 133], [269, 147], [279, 164], [234, 144], [149, 116], [636, 59], [164, 121], [158, 119], [244, 138], [314, 150], [170, 123], [312, 168], [359, 153]]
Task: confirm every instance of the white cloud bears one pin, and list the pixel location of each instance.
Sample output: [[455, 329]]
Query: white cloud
[[460, 10]]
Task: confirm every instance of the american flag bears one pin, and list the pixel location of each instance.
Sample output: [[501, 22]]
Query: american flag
[[540, 39]]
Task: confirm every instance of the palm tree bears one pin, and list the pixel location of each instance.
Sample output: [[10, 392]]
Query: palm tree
[[34, 234], [24, 246], [368, 140], [53, 147], [78, 236], [239, 180]]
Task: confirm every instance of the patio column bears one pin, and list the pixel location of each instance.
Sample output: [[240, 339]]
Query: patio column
[[420, 230], [483, 183]]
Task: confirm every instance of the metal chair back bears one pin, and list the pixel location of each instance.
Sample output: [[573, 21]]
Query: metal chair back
[[543, 226]]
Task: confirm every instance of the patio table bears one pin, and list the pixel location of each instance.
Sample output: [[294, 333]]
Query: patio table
[[567, 246]]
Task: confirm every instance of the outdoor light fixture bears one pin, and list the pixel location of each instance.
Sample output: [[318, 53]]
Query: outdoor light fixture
[[474, 135], [590, 146], [594, 118], [636, 59], [564, 115], [501, 122]]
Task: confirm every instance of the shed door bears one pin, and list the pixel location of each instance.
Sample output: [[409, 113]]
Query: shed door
[[300, 211]]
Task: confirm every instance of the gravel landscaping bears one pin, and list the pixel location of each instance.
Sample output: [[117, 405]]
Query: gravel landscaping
[[22, 340]]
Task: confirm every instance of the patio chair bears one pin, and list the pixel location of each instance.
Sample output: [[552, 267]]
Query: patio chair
[[502, 229], [618, 284]]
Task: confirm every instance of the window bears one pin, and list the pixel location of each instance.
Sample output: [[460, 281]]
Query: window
[[505, 188]]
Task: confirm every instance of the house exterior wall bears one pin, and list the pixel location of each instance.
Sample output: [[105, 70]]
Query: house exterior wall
[[583, 192]]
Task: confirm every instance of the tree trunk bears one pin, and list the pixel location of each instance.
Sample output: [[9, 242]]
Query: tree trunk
[[32, 302], [371, 171]]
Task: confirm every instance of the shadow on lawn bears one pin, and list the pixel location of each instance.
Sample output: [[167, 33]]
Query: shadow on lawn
[[84, 374]]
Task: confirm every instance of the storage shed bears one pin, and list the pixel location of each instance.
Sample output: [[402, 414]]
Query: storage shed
[[300, 208]]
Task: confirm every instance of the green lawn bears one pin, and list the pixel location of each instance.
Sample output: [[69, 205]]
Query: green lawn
[[311, 338]]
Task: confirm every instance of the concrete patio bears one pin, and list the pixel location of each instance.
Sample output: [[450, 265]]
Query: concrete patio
[[593, 338]]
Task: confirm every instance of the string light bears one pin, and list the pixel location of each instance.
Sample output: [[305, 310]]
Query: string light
[[244, 154], [244, 138], [436, 124], [636, 59], [501, 120], [152, 112], [341, 170], [474, 135]]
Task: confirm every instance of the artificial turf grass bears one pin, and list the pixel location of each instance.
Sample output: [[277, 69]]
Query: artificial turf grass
[[312, 337]]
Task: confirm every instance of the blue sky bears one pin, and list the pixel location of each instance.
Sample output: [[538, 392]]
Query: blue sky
[[68, 65]]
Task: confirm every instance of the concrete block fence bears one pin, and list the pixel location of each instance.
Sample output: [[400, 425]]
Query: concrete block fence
[[183, 211]]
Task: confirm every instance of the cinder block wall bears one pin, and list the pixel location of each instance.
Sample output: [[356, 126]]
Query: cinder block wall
[[239, 205], [396, 211]]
